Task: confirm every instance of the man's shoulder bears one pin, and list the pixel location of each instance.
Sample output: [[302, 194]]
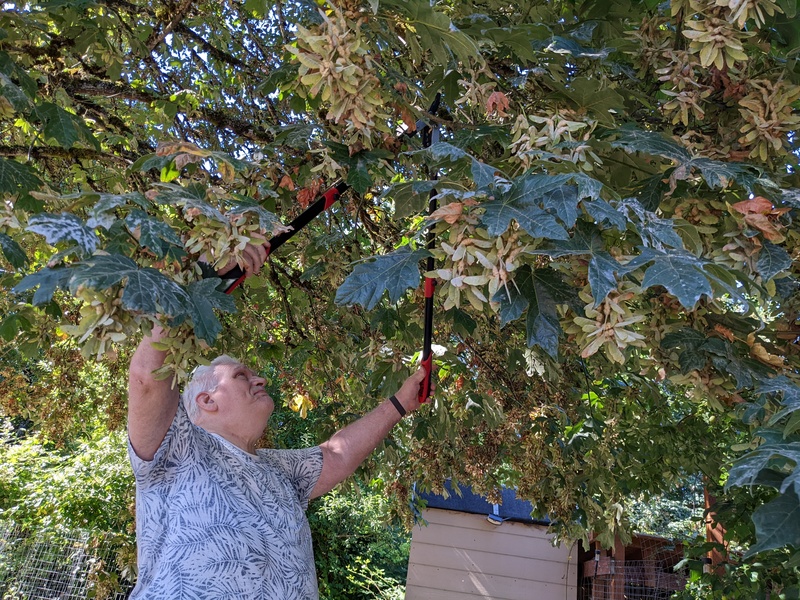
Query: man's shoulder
[[176, 447]]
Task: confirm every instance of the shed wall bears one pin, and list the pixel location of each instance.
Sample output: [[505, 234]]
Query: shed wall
[[459, 556]]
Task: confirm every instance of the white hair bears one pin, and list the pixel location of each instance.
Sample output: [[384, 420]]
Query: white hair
[[204, 379]]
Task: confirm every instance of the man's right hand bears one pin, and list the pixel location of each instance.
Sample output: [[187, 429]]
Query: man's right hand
[[254, 256]]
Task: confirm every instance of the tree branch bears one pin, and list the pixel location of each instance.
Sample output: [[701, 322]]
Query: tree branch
[[41, 152], [220, 119], [156, 39], [212, 50]]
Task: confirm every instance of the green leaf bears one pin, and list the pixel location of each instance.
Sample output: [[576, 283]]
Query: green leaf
[[9, 328], [562, 45], [716, 174], [410, 198], [267, 221], [605, 214], [153, 234], [680, 273], [15, 95], [48, 280], [102, 215], [593, 96], [631, 139], [686, 338], [295, 136], [655, 231], [746, 471], [64, 227], [204, 297], [792, 483], [64, 127], [602, 266], [588, 187], [777, 524], [463, 323], [482, 174], [772, 260], [150, 161], [563, 201], [12, 70], [539, 291], [13, 252], [690, 341], [790, 392], [146, 290], [720, 174], [193, 197], [394, 273], [436, 32], [522, 203], [16, 178], [358, 176], [602, 270]]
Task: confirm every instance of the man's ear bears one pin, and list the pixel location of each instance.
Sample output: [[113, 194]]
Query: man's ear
[[205, 402]]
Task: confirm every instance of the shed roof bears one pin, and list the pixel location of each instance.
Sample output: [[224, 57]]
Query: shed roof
[[463, 499]]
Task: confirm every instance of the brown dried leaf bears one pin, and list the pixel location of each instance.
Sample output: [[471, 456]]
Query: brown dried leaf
[[497, 103], [450, 213], [286, 183], [307, 194], [167, 148], [408, 118], [184, 159], [765, 226], [759, 352], [724, 332], [758, 205]]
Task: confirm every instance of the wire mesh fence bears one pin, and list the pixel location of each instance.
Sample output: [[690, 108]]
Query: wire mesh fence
[[64, 566], [645, 570], [632, 580]]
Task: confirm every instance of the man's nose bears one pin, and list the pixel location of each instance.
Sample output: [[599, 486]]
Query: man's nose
[[257, 380]]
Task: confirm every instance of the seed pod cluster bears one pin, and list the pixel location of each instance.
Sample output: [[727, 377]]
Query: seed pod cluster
[[769, 117], [336, 67], [608, 325], [183, 350], [220, 241], [101, 322], [561, 134], [475, 266]]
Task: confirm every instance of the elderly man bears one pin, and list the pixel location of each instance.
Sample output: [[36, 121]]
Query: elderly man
[[216, 518]]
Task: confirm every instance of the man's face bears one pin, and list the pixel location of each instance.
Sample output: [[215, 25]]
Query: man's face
[[241, 395]]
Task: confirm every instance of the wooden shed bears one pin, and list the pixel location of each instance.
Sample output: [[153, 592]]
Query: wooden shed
[[473, 549]]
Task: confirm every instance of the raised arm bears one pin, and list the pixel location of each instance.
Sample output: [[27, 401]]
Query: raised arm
[[348, 447], [152, 403]]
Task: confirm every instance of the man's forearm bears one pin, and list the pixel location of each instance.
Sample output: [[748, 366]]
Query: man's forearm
[[351, 445], [348, 447]]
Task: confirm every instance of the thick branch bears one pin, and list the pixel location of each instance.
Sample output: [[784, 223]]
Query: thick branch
[[39, 152], [207, 47], [220, 119]]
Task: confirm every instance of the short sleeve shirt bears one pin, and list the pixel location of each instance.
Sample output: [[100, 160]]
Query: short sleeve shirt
[[214, 522]]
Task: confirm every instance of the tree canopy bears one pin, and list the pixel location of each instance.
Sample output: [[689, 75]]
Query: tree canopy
[[615, 244]]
